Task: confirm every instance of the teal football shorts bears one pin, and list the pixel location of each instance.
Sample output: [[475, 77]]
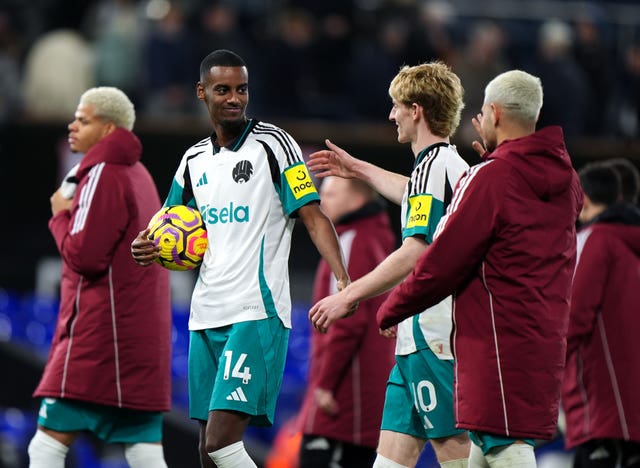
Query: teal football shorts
[[419, 398], [109, 423], [237, 367], [487, 441]]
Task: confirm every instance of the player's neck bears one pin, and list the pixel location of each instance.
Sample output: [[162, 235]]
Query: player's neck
[[424, 141]]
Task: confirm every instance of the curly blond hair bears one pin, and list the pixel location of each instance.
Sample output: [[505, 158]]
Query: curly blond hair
[[434, 87], [110, 104]]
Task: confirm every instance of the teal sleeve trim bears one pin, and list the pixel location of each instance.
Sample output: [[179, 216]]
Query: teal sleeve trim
[[175, 196], [291, 202], [428, 230], [267, 297]]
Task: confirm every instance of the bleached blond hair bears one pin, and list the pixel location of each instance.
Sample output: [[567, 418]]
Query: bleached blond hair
[[518, 93], [111, 105]]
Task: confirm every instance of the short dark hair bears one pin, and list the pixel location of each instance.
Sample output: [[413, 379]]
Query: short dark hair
[[220, 58], [629, 177], [600, 183]]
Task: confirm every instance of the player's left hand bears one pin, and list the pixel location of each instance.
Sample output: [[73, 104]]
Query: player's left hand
[[390, 333], [331, 308], [325, 401], [143, 250], [59, 202]]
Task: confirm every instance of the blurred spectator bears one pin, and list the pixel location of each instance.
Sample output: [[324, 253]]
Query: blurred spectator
[[431, 36], [375, 63], [219, 29], [566, 91], [58, 69], [481, 60], [10, 100], [117, 29], [170, 58], [332, 56], [287, 67], [628, 97], [594, 57]]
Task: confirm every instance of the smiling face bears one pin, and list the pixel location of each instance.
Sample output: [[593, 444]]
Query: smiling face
[[402, 116], [225, 92], [87, 129]]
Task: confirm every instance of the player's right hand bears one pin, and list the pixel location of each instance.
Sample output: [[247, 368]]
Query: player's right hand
[[332, 162], [143, 250], [478, 147]]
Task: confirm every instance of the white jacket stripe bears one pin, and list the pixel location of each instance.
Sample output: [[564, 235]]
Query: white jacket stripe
[[86, 196]]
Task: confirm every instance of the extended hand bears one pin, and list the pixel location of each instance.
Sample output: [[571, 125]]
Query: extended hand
[[328, 310], [143, 250], [332, 162]]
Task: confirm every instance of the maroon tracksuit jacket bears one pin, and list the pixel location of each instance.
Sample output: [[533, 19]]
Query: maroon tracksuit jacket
[[112, 343], [600, 388]]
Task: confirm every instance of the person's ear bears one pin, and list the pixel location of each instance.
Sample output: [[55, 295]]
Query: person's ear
[[496, 113], [109, 128], [200, 91], [416, 111]]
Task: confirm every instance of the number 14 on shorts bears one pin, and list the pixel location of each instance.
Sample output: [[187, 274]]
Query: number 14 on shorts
[[244, 374]]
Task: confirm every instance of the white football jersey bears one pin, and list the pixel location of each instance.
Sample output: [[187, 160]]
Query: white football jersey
[[428, 193], [247, 193]]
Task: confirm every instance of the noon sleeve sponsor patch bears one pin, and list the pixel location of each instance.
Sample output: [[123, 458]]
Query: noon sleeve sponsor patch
[[299, 181]]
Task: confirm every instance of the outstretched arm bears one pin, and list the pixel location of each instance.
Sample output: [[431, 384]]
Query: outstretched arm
[[337, 162], [324, 237], [385, 276]]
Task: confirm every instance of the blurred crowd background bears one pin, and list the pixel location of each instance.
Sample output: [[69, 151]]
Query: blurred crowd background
[[329, 59]]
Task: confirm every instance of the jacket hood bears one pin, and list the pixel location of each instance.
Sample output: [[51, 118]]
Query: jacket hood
[[373, 215], [541, 158], [623, 220], [119, 147]]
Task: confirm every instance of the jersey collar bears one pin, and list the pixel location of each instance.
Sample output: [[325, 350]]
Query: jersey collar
[[238, 141], [426, 151]]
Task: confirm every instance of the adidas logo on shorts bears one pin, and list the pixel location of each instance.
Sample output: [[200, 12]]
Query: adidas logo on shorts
[[237, 395]]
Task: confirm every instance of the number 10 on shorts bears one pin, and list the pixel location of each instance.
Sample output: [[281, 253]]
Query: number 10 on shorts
[[245, 374]]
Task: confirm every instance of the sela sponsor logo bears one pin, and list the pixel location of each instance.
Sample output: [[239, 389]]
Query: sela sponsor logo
[[420, 208], [242, 172], [299, 180], [228, 214]]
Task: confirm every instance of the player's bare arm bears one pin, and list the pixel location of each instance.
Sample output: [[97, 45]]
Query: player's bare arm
[[143, 250], [385, 276], [337, 162], [325, 239]]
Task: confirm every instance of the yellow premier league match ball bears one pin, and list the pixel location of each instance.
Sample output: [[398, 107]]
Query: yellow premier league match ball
[[181, 235]]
